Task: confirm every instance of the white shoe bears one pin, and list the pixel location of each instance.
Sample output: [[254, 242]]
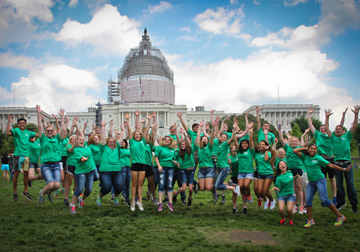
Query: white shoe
[[237, 190], [301, 210], [141, 208], [295, 209], [272, 205], [132, 207], [266, 204]]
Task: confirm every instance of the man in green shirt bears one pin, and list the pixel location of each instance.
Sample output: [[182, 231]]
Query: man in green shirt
[[265, 126], [341, 146], [21, 155]]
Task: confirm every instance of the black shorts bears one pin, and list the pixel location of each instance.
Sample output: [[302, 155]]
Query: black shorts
[[256, 174], [296, 171], [234, 180], [137, 167], [70, 169], [327, 170], [148, 171]]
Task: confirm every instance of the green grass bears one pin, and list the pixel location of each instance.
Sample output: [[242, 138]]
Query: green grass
[[204, 226]]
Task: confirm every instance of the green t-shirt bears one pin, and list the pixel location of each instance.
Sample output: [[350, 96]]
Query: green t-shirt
[[205, 156], [165, 155], [87, 166], [148, 153], [125, 157], [261, 136], [246, 164], [62, 149], [49, 148], [222, 155], [21, 141], [246, 137], [34, 150], [234, 166], [110, 158], [70, 156], [323, 143], [293, 161], [137, 149], [174, 137], [285, 182], [96, 152], [264, 167], [342, 146], [313, 166], [193, 135], [215, 147], [188, 161]]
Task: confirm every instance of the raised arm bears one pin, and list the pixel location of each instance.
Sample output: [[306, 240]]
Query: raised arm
[[102, 133], [343, 118], [258, 123], [110, 133], [282, 141], [205, 128], [84, 129], [127, 117], [212, 135], [328, 113], [63, 131], [147, 126], [81, 133], [8, 126], [66, 123], [197, 139], [251, 138], [182, 131], [311, 126], [179, 114], [154, 128], [93, 129], [40, 127], [299, 151], [137, 115], [120, 136], [356, 119], [305, 138], [56, 122]]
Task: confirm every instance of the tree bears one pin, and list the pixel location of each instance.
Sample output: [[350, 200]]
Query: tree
[[296, 131], [302, 122]]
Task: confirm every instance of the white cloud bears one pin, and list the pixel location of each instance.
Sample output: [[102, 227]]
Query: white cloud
[[188, 38], [221, 21], [234, 2], [11, 60], [294, 2], [161, 7], [233, 85], [184, 29], [73, 3], [108, 32], [16, 19], [57, 86]]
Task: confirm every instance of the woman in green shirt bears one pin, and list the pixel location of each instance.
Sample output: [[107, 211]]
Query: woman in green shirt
[[125, 156], [94, 145], [70, 168]]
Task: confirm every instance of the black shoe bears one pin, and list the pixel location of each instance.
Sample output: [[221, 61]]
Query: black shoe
[[354, 208], [16, 198], [127, 203], [340, 205], [195, 187], [234, 210], [29, 183], [223, 199], [183, 202], [66, 202], [189, 201], [216, 197], [245, 211], [26, 195]]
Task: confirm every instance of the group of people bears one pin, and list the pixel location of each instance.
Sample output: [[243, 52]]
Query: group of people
[[121, 160]]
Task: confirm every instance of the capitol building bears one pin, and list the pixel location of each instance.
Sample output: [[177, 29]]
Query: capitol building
[[145, 82]]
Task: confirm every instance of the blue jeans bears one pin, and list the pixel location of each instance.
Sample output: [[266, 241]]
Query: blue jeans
[[178, 178], [111, 179], [156, 175], [84, 180], [126, 173], [318, 185], [188, 176], [349, 179], [166, 177], [51, 172], [220, 178], [96, 173]]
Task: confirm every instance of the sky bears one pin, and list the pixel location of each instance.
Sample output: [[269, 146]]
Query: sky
[[226, 55]]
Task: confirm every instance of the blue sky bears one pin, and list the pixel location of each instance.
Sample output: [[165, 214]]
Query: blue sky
[[226, 55]]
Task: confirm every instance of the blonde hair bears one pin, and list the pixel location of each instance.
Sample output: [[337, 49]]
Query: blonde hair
[[69, 142], [141, 134], [172, 142]]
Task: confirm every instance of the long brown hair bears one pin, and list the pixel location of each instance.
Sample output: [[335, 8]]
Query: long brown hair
[[187, 149]]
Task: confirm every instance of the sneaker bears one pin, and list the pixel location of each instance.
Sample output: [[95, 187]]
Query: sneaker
[[66, 202], [170, 206], [216, 197], [234, 210], [16, 198], [340, 221], [354, 208], [189, 201], [160, 207], [223, 199], [81, 202], [116, 201], [112, 197], [244, 211], [272, 204], [250, 200], [301, 210], [295, 209], [136, 201], [50, 198], [72, 208], [98, 201], [141, 208], [260, 202], [335, 201], [282, 222], [132, 207], [237, 190], [291, 223], [309, 223], [195, 187], [174, 197], [266, 205], [339, 206], [26, 195], [305, 209], [41, 197], [184, 202], [127, 203], [152, 198], [156, 202]]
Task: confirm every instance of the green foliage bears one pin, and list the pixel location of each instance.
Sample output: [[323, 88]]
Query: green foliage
[[296, 131]]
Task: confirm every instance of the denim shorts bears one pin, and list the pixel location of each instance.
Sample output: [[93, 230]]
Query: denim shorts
[[206, 173], [33, 165], [188, 176], [243, 175], [51, 172], [290, 197], [268, 176]]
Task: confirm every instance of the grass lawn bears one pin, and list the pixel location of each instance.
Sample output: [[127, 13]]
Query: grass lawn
[[204, 226]]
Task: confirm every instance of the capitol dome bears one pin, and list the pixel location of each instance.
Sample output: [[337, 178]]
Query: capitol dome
[[145, 76]]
